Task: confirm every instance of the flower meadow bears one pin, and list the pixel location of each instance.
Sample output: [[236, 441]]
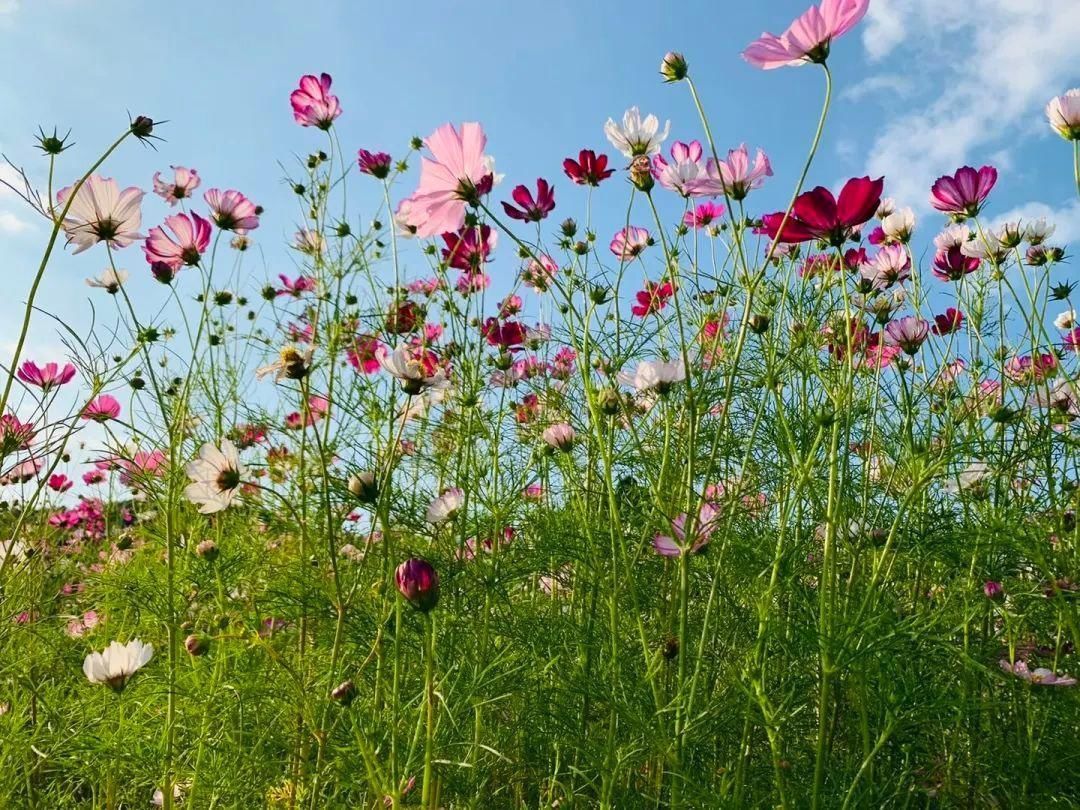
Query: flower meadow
[[477, 506]]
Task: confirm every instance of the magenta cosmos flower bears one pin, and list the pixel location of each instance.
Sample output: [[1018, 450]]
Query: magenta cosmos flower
[[101, 409], [532, 209], [589, 169], [457, 173], [962, 195], [184, 182], [629, 242], [736, 176], [704, 215], [45, 377], [232, 211], [817, 214], [377, 164], [312, 103], [418, 581], [190, 239], [101, 212], [808, 38]]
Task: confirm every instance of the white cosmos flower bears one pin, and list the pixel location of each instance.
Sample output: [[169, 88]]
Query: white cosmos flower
[[445, 506], [101, 212], [116, 664], [110, 280], [953, 236], [654, 375], [215, 476], [885, 207], [1066, 320], [636, 136], [988, 246], [899, 225], [13, 549], [970, 476], [413, 367], [1039, 230]]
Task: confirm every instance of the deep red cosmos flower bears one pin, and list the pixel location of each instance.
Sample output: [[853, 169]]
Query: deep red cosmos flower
[[506, 334], [533, 209], [817, 214], [652, 299], [589, 169]]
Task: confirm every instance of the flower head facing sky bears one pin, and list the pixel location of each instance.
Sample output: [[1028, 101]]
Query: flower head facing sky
[[636, 135], [808, 38], [101, 212], [313, 105]]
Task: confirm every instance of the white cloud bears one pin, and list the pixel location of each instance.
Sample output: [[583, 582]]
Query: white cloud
[[9, 6], [996, 66], [11, 223]]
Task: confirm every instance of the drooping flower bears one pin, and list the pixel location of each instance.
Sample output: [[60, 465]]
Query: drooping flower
[[681, 541], [184, 182], [418, 581], [817, 214], [377, 164], [115, 665], [232, 211], [101, 409], [735, 176], [312, 103], [190, 239], [589, 169], [100, 212], [809, 38], [457, 174], [1063, 113], [962, 195], [704, 215], [46, 377], [1040, 676], [1038, 231], [908, 333], [446, 506], [559, 437], [110, 280], [652, 299], [636, 136], [684, 172], [532, 209], [630, 242], [216, 476]]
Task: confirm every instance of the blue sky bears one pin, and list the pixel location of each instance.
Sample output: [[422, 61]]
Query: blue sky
[[921, 88]]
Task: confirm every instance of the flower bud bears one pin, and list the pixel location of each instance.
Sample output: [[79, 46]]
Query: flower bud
[[418, 582], [364, 487], [142, 126], [344, 693], [673, 67], [993, 591], [641, 173], [208, 550], [560, 437], [196, 644]]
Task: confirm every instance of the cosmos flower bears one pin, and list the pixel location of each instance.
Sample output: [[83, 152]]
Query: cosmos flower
[[630, 242], [115, 665], [109, 280], [589, 169], [817, 214], [446, 506], [312, 103], [457, 173], [46, 377], [704, 215], [530, 208], [898, 225], [654, 375], [190, 239], [652, 299], [636, 136], [100, 212], [1040, 676], [962, 195], [1063, 113], [908, 333], [376, 164], [184, 182], [808, 38], [950, 321], [101, 409], [418, 581], [232, 211], [417, 368], [216, 476], [953, 265], [538, 273], [736, 176], [559, 437], [683, 174], [678, 543]]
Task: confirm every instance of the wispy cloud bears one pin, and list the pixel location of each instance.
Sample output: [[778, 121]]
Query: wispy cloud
[[995, 67]]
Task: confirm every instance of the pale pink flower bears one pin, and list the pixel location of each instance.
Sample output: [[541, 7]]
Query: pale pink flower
[[560, 437], [681, 541], [46, 377], [809, 37], [100, 212], [735, 176], [457, 173], [630, 242], [312, 103], [232, 211], [446, 506], [184, 182], [1063, 112], [102, 409], [190, 239], [908, 333], [683, 174], [1040, 676]]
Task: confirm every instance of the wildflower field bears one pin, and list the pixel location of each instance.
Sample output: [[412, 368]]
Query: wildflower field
[[472, 504]]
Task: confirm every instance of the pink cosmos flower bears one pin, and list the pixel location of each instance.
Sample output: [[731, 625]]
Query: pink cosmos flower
[[93, 477], [46, 377], [704, 215], [312, 103], [952, 265], [652, 299], [60, 483], [142, 465], [14, 435], [102, 409], [100, 212], [675, 546], [303, 284], [962, 195], [809, 37], [184, 182], [1063, 113], [363, 355], [736, 177], [457, 173], [908, 333], [232, 211], [684, 173], [589, 169], [469, 248], [818, 215], [1040, 676], [377, 164], [630, 242], [559, 437], [538, 273], [532, 209], [190, 239], [890, 265]]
